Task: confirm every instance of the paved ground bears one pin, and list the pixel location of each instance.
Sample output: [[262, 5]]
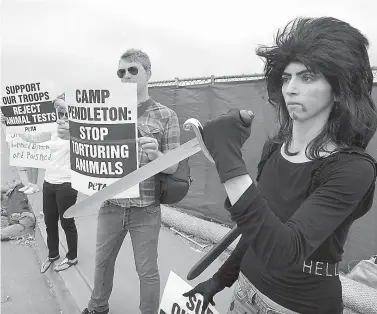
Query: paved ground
[[175, 253], [23, 288]]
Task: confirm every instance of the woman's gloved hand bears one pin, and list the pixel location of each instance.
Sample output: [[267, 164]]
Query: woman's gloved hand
[[224, 137], [208, 289]]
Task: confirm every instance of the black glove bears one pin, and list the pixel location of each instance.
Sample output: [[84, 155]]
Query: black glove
[[224, 138], [207, 289]]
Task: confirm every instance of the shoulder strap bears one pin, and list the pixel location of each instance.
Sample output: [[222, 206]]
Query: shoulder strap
[[317, 172], [141, 109], [366, 203], [268, 149]]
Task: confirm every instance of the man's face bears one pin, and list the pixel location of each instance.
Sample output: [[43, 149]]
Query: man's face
[[133, 72], [307, 95]]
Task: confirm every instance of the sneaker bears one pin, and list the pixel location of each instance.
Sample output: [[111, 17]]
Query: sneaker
[[65, 264], [46, 265], [23, 189], [86, 311], [32, 189]]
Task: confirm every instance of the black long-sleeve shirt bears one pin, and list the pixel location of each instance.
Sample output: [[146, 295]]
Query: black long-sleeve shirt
[[281, 229]]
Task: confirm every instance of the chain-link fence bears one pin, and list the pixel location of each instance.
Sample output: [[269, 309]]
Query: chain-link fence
[[204, 80]]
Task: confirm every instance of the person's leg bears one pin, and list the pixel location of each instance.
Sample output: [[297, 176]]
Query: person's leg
[[144, 227], [32, 174], [28, 183], [110, 235], [51, 218], [66, 196]]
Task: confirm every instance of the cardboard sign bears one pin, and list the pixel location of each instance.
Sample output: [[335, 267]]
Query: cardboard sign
[[173, 301], [28, 107], [26, 154], [103, 132]]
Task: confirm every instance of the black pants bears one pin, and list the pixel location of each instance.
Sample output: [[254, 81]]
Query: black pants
[[57, 198]]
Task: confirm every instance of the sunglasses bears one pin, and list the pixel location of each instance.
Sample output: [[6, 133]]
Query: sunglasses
[[131, 70], [62, 115]]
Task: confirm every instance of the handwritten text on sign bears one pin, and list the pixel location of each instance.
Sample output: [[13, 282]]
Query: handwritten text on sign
[[173, 302], [27, 154], [103, 126], [28, 107]]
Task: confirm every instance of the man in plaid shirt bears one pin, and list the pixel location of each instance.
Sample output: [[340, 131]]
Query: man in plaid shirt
[[159, 132]]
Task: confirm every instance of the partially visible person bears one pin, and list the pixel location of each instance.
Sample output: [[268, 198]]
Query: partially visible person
[[3, 118], [31, 186], [58, 196], [21, 219]]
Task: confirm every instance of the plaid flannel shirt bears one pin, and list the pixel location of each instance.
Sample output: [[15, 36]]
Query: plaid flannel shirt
[[162, 123]]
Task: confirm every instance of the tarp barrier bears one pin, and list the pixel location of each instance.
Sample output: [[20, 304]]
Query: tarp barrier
[[206, 196]]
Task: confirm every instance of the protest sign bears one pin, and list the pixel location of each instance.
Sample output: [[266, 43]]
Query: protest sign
[[28, 107], [26, 154], [103, 131], [173, 301]]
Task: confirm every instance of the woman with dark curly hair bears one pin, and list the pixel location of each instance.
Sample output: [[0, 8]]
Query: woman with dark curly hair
[[314, 177]]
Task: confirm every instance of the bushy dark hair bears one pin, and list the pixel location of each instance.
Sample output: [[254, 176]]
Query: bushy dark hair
[[338, 51]]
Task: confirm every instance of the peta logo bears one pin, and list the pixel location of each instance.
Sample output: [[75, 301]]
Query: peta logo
[[96, 186]]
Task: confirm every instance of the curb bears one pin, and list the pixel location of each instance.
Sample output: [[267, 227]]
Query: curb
[[66, 301], [197, 227], [74, 288]]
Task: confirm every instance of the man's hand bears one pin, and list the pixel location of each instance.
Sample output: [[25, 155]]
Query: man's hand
[[207, 289], [63, 129], [149, 146], [3, 118], [224, 138]]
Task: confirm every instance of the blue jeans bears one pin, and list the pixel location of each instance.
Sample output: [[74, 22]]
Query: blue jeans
[[144, 225], [249, 300]]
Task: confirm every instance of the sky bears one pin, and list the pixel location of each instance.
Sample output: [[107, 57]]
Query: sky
[[78, 43]]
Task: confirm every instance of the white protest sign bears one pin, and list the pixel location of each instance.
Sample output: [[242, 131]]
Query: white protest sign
[[173, 301], [103, 131], [26, 154], [28, 107]]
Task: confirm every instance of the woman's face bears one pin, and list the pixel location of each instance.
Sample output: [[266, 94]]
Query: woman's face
[[307, 95]]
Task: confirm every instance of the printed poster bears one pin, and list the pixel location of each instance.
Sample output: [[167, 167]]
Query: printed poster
[[28, 107], [173, 301], [103, 132]]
